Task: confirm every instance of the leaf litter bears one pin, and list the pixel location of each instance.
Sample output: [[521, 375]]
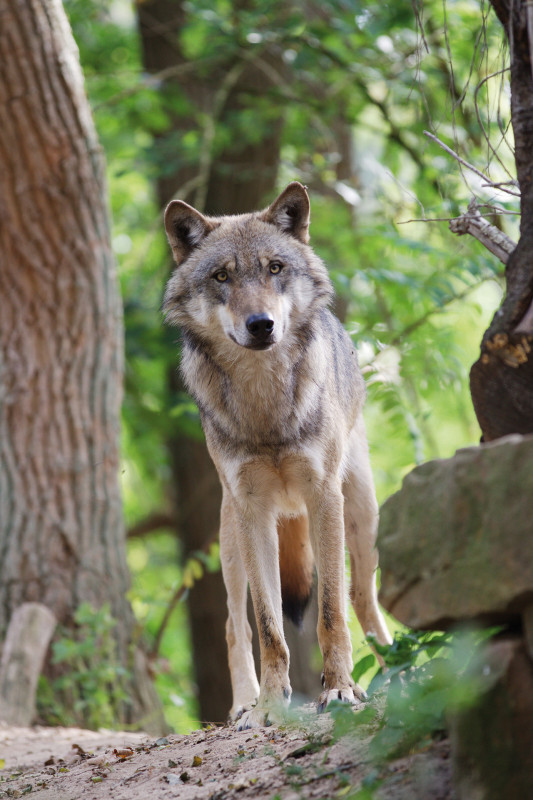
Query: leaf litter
[[298, 760]]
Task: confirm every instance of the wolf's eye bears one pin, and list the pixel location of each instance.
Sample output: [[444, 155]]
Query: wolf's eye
[[275, 268], [221, 276]]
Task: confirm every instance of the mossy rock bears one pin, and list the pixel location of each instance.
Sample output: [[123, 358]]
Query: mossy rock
[[456, 542]]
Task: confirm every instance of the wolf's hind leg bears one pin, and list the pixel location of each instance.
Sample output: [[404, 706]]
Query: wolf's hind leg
[[238, 631], [360, 523]]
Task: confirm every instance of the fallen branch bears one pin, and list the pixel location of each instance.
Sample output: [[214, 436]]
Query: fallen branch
[[489, 235]]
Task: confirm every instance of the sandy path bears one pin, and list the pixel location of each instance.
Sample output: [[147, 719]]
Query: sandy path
[[289, 763], [23, 747]]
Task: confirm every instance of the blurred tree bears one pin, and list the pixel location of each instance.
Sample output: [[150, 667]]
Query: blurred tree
[[61, 528], [231, 176]]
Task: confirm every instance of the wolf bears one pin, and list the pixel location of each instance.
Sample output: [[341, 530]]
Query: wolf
[[280, 397]]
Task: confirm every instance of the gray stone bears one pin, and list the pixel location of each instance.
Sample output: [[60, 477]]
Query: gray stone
[[492, 742], [456, 542]]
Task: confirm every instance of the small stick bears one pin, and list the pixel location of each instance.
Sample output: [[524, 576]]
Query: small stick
[[467, 165]]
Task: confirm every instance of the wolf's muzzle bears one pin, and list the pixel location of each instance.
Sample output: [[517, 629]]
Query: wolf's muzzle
[[260, 326]]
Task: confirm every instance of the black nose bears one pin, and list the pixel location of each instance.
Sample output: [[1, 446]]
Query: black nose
[[260, 326]]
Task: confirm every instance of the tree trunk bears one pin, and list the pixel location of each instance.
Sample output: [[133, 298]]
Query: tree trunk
[[61, 527], [240, 179], [501, 381]]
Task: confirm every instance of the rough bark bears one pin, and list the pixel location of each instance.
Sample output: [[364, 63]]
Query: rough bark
[[501, 381], [239, 179], [61, 528]]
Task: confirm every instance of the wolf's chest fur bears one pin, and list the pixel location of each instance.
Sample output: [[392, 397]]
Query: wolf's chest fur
[[257, 401]]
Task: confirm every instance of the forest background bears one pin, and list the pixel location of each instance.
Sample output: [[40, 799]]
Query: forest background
[[337, 95]]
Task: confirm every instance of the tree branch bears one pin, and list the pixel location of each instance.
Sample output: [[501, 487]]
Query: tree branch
[[176, 597], [473, 169], [440, 309], [491, 237], [153, 522]]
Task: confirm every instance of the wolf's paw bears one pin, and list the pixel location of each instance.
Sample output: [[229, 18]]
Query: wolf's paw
[[350, 694], [256, 717], [237, 711]]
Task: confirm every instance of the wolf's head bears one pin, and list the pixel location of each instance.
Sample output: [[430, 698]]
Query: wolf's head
[[251, 279]]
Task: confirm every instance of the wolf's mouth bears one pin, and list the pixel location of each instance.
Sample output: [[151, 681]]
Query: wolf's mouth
[[253, 345], [259, 345]]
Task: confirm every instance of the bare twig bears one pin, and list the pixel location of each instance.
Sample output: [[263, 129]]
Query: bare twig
[[425, 219], [230, 79], [174, 600], [499, 185], [492, 210], [153, 522], [154, 79], [419, 23], [486, 136], [418, 323], [491, 237], [400, 337], [467, 165]]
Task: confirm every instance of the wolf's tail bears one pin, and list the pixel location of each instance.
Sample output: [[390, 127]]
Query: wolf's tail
[[295, 566]]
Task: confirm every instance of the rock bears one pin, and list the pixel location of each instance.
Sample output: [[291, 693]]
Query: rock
[[492, 742], [455, 542]]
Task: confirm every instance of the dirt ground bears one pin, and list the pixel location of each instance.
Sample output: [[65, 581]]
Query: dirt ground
[[215, 764]]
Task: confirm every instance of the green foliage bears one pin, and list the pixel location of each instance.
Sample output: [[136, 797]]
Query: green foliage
[[91, 688], [428, 676], [419, 699], [200, 562], [156, 573]]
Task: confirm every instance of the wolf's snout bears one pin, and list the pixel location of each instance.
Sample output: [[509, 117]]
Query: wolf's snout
[[260, 326]]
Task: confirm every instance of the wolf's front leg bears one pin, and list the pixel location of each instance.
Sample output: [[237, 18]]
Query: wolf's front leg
[[238, 632], [325, 509], [258, 543]]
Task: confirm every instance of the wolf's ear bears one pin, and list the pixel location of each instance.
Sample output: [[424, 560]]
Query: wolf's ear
[[185, 228], [290, 212]]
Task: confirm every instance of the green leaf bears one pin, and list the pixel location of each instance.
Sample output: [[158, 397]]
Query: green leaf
[[362, 666]]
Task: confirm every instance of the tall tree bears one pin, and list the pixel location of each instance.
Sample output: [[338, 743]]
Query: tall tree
[[501, 380], [61, 348]]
